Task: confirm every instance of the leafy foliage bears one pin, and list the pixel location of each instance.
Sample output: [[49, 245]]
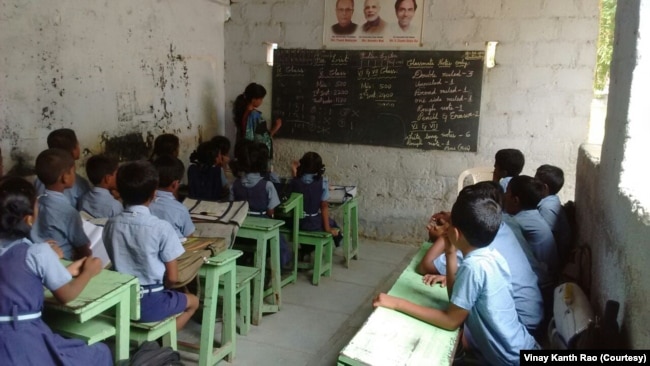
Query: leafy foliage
[[605, 42]]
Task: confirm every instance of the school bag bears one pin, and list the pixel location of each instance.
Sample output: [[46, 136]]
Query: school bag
[[217, 219], [197, 252], [573, 325], [151, 354]]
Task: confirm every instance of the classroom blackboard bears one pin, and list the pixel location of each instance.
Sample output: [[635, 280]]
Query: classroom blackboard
[[410, 99]]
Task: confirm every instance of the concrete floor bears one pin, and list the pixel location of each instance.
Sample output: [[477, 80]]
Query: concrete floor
[[316, 322]]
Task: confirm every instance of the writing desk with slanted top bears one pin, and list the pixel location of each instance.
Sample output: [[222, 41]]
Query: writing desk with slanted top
[[105, 291], [392, 338], [347, 201]]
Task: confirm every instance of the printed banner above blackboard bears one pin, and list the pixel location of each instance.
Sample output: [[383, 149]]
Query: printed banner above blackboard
[[373, 23], [413, 99]]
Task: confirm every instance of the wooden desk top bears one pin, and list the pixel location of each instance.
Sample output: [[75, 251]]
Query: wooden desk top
[[100, 288], [261, 223], [392, 338]]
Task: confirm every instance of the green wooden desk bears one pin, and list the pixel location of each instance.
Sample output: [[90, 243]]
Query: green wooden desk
[[107, 290], [292, 208], [350, 210], [264, 231], [221, 266], [392, 338]]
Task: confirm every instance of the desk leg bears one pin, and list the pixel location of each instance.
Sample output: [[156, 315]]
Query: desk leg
[[258, 285], [210, 292], [350, 230], [228, 336], [276, 275], [123, 324]]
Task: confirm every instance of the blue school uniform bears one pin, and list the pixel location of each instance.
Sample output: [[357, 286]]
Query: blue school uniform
[[261, 196], [165, 206], [314, 191], [540, 238], [526, 293], [24, 269], [553, 213], [206, 183], [541, 270], [80, 187], [99, 202], [138, 243], [503, 182], [58, 220], [482, 287]]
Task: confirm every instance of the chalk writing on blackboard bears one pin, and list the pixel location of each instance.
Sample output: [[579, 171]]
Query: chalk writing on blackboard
[[414, 99]]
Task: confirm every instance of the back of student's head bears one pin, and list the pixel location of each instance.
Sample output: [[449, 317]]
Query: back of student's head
[[51, 164], [552, 176], [223, 144], [485, 189], [510, 162], [136, 182], [258, 158], [311, 163], [64, 139], [165, 144], [205, 154], [99, 166], [528, 189], [477, 217], [17, 200], [169, 170]]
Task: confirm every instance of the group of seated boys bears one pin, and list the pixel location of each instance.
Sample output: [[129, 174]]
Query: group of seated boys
[[499, 253]]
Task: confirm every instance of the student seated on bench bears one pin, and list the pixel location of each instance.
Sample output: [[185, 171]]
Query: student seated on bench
[[526, 292], [479, 290], [26, 267], [144, 246]]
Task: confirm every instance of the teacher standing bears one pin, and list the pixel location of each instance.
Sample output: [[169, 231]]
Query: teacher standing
[[249, 121]]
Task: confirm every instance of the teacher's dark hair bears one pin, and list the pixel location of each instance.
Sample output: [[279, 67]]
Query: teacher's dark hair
[[252, 91]]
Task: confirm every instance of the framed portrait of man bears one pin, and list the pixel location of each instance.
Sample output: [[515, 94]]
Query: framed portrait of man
[[373, 23]]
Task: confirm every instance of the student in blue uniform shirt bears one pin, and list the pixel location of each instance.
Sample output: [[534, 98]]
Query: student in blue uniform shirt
[[57, 219], [66, 139], [165, 204], [526, 292], [551, 208], [508, 163], [309, 180], [252, 166], [481, 296], [99, 202], [142, 245], [25, 267], [206, 178]]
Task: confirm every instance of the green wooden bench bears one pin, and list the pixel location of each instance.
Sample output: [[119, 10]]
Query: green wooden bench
[[407, 340]]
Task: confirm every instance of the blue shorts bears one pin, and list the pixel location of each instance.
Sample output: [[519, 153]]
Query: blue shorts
[[157, 306]]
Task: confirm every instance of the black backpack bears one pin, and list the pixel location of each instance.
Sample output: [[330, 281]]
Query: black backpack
[[151, 354]]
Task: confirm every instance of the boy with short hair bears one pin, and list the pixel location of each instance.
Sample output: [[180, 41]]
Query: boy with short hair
[[99, 202], [140, 244], [66, 139], [522, 197], [508, 163], [57, 219], [479, 290], [551, 208], [165, 204]]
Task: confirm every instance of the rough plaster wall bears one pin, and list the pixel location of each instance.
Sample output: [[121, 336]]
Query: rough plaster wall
[[537, 98], [609, 220], [109, 69]]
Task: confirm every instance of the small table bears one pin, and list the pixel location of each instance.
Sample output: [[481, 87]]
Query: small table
[[107, 290], [293, 209], [223, 264], [264, 230]]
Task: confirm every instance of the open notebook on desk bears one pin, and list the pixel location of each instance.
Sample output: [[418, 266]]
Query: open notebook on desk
[[340, 194]]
